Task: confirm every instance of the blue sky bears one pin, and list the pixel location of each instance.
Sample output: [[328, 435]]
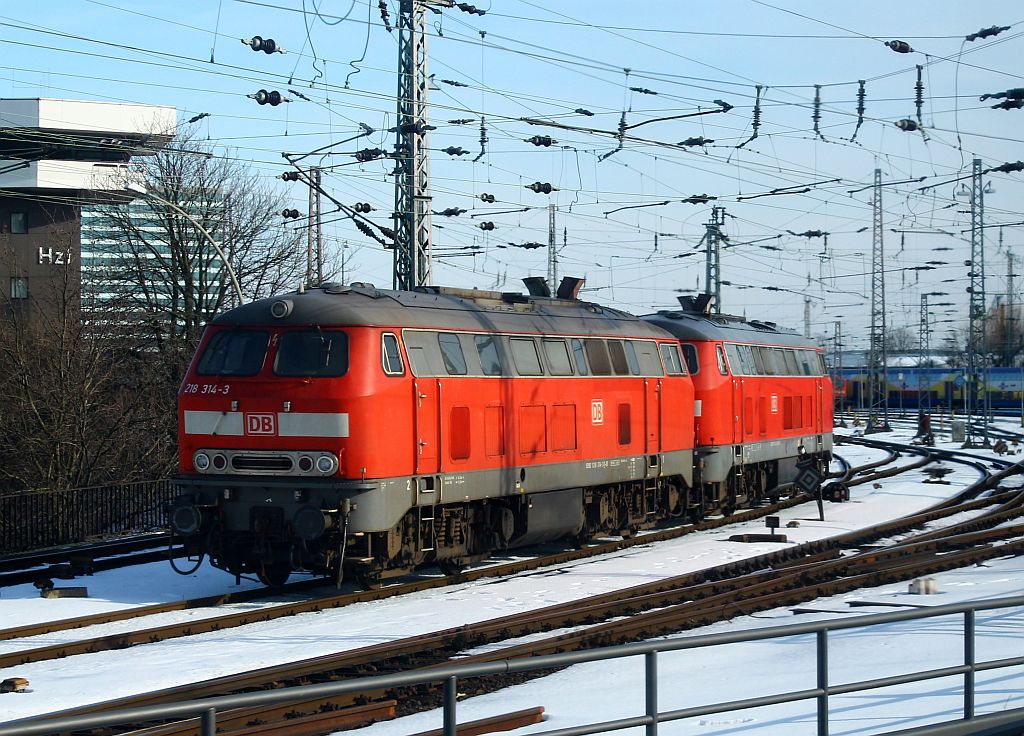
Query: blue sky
[[527, 59]]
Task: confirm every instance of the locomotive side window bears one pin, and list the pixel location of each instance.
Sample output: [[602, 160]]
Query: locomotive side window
[[634, 363], [487, 349], [747, 360], [597, 356], [391, 355], [312, 353], [791, 367], [758, 355], [618, 355], [804, 357], [673, 363], [234, 353], [690, 355], [524, 355], [646, 353], [558, 357], [451, 353], [579, 357], [720, 355]]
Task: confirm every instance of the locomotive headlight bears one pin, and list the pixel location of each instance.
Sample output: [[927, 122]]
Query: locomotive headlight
[[201, 461], [326, 464], [305, 463], [219, 462]]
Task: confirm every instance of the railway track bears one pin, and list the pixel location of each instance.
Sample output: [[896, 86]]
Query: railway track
[[69, 562], [795, 574], [330, 601], [318, 603]]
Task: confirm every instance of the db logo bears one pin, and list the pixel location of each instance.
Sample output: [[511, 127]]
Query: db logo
[[597, 412], [259, 424]]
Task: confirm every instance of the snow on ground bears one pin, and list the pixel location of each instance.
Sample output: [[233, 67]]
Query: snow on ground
[[588, 692]]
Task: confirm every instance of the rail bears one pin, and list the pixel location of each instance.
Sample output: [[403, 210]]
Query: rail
[[649, 716], [32, 520]]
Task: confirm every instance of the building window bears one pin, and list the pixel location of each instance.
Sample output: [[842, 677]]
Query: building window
[[19, 287], [19, 223]]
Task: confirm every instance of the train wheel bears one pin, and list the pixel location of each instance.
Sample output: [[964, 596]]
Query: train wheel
[[369, 580], [450, 567], [275, 574]]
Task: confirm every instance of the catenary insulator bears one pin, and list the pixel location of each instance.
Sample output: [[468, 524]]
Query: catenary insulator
[[487, 225], [264, 97], [907, 124], [290, 176], [289, 214], [488, 198], [541, 188], [368, 154], [363, 207], [900, 47]]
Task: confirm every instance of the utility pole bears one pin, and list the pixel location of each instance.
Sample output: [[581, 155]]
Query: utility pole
[[807, 317], [923, 351], [976, 362], [712, 272], [878, 377], [552, 250], [412, 174]]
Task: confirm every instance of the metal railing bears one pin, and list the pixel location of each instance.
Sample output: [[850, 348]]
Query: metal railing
[[649, 716], [33, 520]]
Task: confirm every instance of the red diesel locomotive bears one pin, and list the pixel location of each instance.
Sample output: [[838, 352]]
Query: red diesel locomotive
[[350, 429], [763, 404], [360, 432]]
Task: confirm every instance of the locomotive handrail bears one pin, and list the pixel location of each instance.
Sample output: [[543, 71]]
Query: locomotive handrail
[[650, 716]]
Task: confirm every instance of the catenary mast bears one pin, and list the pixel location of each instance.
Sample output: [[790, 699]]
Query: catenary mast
[[412, 164]]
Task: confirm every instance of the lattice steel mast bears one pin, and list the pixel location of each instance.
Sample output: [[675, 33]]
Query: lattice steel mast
[[976, 362], [552, 248], [712, 270], [878, 376], [412, 164]]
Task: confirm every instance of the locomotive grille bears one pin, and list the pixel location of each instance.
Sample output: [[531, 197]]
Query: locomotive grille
[[262, 463]]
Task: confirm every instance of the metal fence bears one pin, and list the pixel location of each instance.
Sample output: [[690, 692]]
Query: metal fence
[[648, 714], [39, 519]]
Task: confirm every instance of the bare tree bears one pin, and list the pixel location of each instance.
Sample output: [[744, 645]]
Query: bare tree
[[165, 272], [1004, 338], [900, 340], [79, 409]]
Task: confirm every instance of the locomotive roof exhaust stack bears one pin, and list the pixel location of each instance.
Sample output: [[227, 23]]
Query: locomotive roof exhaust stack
[[537, 286], [570, 287], [701, 303]]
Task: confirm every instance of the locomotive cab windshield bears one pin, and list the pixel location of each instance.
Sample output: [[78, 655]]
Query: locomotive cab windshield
[[297, 353]]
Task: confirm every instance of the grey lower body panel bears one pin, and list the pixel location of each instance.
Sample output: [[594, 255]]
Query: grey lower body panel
[[379, 504], [718, 461]]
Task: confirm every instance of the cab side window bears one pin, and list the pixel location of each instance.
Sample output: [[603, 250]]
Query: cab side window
[[721, 360], [391, 355], [690, 356]]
